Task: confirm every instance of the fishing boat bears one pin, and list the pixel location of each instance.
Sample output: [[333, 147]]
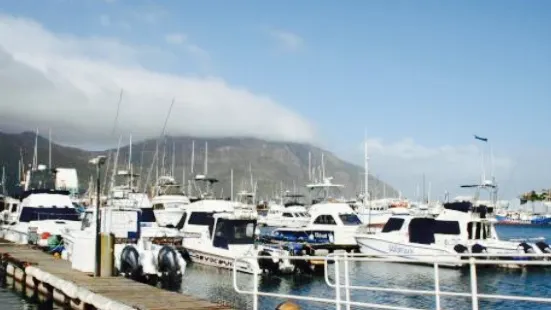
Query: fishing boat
[[460, 229]]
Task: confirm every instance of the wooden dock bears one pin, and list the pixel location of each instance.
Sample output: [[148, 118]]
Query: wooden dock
[[76, 289]]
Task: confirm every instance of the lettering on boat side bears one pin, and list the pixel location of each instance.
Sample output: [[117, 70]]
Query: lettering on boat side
[[210, 260], [398, 249]]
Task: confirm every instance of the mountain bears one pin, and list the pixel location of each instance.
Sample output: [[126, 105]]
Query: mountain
[[273, 164]]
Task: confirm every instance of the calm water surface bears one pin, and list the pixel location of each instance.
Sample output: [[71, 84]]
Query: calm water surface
[[217, 285]]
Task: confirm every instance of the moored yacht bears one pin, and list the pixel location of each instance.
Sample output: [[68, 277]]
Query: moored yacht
[[290, 213], [332, 224], [461, 228], [41, 214], [169, 202]]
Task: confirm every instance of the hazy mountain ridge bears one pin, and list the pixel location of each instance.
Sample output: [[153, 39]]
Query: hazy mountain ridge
[[273, 164]]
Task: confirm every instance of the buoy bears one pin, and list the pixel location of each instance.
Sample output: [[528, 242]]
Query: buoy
[[287, 305]]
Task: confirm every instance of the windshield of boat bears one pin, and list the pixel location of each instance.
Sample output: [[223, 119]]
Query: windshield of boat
[[233, 232], [40, 214], [350, 219]]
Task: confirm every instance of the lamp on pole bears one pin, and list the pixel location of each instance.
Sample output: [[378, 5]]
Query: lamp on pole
[[98, 162]]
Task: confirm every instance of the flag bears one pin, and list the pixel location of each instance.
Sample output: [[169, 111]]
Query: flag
[[480, 138]]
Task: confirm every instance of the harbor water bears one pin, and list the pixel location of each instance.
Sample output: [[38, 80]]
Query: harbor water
[[217, 285]]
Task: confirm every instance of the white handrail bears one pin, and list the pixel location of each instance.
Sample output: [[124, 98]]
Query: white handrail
[[435, 261]]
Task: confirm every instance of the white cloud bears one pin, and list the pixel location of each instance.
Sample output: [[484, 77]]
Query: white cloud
[[175, 38], [105, 20], [403, 163], [287, 40], [71, 85], [150, 13], [181, 39]]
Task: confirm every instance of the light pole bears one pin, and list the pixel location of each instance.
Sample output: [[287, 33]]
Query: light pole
[[98, 162]]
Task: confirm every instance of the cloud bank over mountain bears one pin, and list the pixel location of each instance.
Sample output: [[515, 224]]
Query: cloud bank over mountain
[[72, 85]]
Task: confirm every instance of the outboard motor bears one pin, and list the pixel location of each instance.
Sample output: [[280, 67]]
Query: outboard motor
[[544, 247], [130, 263], [169, 267], [527, 248], [267, 264]]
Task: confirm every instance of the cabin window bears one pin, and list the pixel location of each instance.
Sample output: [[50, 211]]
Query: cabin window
[[14, 208], [38, 214], [233, 232], [446, 227], [158, 206], [393, 224], [350, 219], [147, 215], [2, 205], [421, 230], [287, 214], [325, 220], [200, 218]]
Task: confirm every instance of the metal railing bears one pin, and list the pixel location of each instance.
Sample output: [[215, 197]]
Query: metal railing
[[341, 262]]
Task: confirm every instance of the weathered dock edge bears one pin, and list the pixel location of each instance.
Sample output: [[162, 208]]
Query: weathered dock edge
[[40, 274]]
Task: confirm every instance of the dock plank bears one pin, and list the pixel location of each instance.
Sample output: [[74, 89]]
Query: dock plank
[[126, 291]]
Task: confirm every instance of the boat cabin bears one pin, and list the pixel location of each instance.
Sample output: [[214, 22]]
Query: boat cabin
[[458, 221]]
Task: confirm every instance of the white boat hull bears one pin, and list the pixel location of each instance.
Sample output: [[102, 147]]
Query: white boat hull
[[220, 261], [373, 246]]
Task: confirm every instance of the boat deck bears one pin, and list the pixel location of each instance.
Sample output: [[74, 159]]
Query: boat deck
[[133, 294]]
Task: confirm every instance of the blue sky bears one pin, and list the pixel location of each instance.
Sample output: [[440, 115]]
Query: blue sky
[[434, 72]]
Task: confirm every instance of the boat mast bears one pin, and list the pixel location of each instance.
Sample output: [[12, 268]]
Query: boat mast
[[206, 167], [309, 166], [173, 167], [35, 154], [50, 148], [231, 184], [367, 197], [130, 162]]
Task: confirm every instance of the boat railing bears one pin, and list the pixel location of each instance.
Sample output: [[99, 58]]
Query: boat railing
[[342, 287]]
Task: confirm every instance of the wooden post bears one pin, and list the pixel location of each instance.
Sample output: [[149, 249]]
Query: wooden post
[[107, 265]]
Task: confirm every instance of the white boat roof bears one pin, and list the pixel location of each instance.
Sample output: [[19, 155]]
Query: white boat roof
[[47, 200], [330, 208]]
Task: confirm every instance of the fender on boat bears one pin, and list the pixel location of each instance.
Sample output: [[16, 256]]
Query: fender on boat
[[544, 247], [528, 249], [130, 263], [478, 249], [459, 248]]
